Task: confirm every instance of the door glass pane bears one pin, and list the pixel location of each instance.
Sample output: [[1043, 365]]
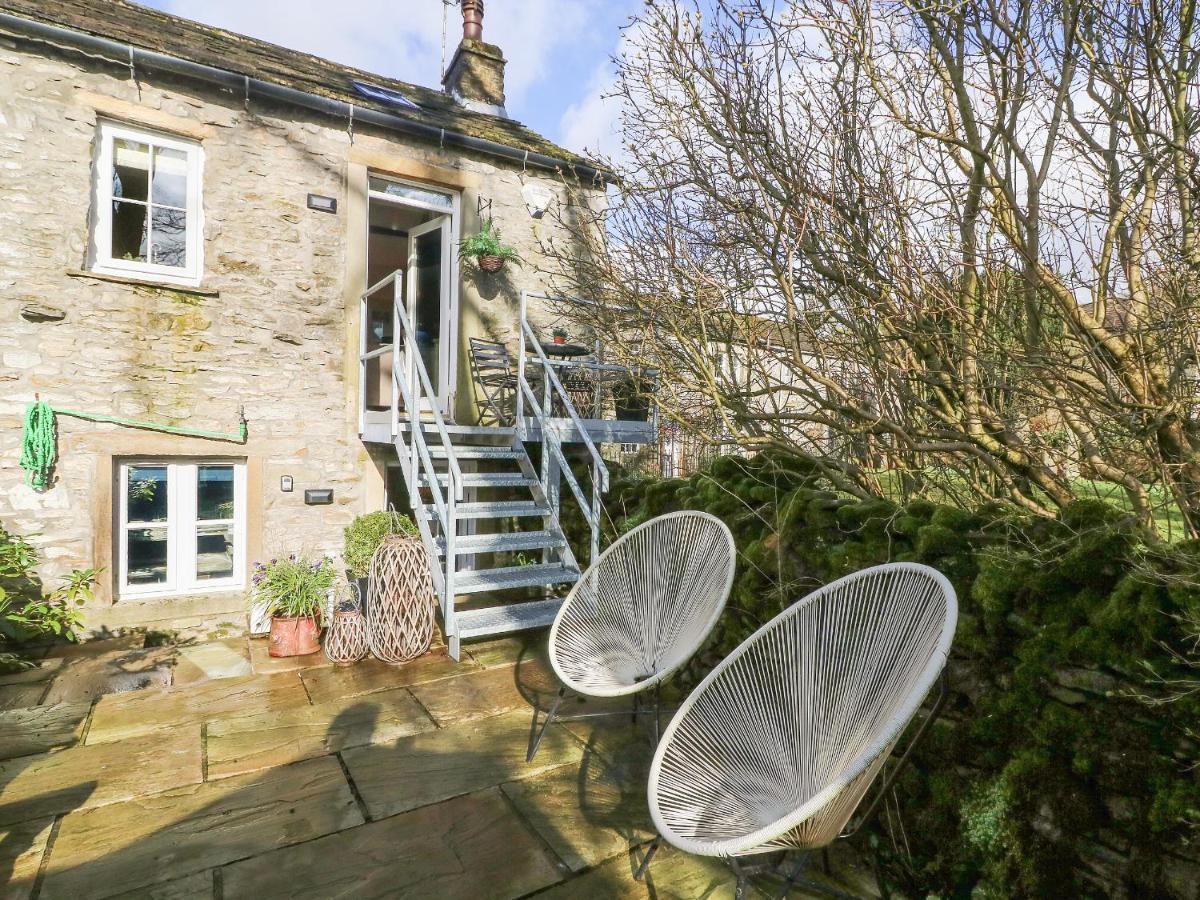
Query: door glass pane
[[131, 169], [214, 552], [169, 245], [128, 231], [147, 494], [170, 178], [427, 306], [146, 555], [214, 492]]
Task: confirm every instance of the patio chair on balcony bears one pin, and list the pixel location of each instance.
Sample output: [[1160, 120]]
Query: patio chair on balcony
[[641, 610], [777, 746], [492, 369]]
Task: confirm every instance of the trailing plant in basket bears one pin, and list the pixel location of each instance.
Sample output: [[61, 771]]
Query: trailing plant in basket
[[364, 535], [294, 587], [486, 245]]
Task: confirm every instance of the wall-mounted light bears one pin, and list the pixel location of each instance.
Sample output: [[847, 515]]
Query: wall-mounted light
[[318, 496], [322, 204], [285, 483]]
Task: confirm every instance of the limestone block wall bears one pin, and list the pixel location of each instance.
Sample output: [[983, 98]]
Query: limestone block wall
[[272, 328]]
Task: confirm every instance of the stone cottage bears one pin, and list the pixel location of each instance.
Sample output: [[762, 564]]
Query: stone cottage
[[190, 220]]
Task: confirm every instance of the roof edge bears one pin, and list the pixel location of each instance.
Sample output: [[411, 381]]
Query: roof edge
[[125, 54]]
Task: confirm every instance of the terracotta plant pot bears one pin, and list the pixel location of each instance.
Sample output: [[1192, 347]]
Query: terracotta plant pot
[[491, 263], [559, 339], [293, 636]]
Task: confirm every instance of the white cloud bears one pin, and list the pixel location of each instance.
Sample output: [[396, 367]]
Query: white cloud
[[593, 124]]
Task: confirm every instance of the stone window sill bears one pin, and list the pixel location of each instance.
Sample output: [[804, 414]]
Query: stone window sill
[[144, 282]]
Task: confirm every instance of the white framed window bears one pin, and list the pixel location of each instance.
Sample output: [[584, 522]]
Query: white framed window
[[181, 526], [147, 207]]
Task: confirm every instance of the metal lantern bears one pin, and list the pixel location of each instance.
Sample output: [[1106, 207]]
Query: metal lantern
[[400, 617]]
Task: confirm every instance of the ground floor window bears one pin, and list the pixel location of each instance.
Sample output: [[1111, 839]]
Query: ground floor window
[[181, 525]]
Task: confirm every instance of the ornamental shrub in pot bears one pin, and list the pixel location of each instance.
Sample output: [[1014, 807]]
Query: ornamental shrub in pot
[[293, 590], [362, 538]]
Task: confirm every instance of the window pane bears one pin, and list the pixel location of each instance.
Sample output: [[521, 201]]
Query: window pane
[[146, 556], [129, 231], [214, 552], [170, 177], [131, 169], [214, 492], [409, 192], [147, 494], [170, 237]]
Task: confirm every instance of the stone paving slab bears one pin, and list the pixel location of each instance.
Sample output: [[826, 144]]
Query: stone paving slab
[[120, 716], [437, 765], [190, 887], [371, 675], [88, 776], [41, 671], [84, 678], [585, 812], [166, 836], [67, 650], [21, 696], [41, 728], [229, 658], [507, 651], [21, 850], [470, 847], [247, 743], [673, 875], [490, 692]]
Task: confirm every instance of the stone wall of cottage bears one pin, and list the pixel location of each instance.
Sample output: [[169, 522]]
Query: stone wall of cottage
[[272, 330]]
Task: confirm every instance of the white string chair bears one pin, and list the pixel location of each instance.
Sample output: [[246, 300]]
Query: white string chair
[[776, 747], [642, 609]]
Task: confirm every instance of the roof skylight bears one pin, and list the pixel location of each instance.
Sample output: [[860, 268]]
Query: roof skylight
[[383, 95]]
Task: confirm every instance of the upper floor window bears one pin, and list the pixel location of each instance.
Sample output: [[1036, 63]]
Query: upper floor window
[[147, 205]]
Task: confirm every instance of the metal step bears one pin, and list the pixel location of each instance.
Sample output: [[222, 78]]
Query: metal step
[[499, 509], [503, 619], [503, 543], [485, 479], [437, 451], [512, 577], [462, 430]]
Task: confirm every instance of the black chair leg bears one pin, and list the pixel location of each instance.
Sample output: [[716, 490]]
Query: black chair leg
[[537, 741], [645, 863]]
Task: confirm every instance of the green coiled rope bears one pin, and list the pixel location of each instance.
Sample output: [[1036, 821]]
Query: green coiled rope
[[39, 448]]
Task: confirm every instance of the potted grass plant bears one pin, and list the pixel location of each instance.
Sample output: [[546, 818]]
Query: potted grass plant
[[486, 248], [293, 592]]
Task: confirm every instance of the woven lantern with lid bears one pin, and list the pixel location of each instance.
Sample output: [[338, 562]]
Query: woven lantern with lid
[[346, 637], [400, 617]]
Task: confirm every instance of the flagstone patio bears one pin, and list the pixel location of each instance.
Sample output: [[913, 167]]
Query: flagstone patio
[[215, 771]]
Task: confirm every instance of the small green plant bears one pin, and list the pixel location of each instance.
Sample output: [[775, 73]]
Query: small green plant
[[364, 535], [487, 243], [26, 610], [294, 587], [559, 333]]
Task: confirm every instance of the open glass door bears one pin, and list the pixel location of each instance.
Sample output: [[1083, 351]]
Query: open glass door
[[429, 272]]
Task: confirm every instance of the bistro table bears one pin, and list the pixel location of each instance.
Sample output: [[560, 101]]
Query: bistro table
[[577, 381]]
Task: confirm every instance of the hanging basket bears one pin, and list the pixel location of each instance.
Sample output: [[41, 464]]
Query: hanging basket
[[491, 264], [400, 616]]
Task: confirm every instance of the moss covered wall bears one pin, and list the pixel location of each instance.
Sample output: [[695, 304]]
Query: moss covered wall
[[1063, 767]]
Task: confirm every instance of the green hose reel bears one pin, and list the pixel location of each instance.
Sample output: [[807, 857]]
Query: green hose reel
[[39, 444]]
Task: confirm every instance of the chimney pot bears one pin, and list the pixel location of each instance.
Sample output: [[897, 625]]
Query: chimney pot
[[472, 13]]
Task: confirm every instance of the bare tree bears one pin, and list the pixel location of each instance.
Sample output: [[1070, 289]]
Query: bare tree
[[928, 246]]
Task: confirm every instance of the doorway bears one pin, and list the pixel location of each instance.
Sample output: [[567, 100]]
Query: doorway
[[410, 228]]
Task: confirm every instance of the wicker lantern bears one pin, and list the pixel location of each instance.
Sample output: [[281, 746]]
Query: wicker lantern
[[400, 617], [346, 640]]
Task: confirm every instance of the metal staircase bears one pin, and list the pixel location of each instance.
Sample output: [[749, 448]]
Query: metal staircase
[[481, 547]]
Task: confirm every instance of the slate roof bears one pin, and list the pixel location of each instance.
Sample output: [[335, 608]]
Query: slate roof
[[151, 29]]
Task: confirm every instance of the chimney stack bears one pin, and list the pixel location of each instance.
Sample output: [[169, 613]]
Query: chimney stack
[[475, 76]]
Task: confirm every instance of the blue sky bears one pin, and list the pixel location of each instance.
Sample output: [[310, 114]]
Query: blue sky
[[558, 51]]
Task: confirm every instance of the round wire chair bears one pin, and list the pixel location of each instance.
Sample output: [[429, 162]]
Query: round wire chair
[[643, 608], [777, 746]]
